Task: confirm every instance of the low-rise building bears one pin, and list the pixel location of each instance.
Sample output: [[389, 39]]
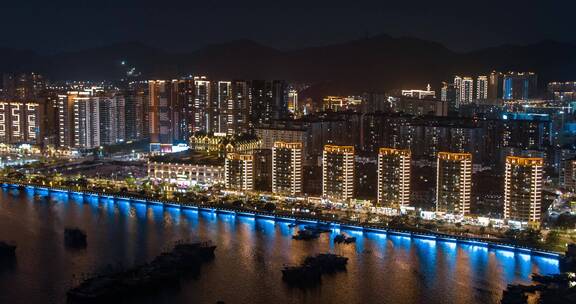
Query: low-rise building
[[186, 169]]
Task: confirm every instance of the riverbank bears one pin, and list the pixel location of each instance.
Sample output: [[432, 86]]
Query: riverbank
[[293, 218]]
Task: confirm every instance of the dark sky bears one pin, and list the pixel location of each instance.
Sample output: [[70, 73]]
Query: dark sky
[[182, 25]]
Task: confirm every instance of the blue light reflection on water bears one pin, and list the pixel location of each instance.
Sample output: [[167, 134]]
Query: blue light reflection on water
[[191, 216], [432, 260], [427, 254], [174, 214], [284, 228], [266, 226]]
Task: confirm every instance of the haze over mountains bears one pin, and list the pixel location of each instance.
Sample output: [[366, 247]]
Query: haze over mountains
[[376, 63]]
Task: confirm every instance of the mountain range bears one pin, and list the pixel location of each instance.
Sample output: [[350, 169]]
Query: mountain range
[[375, 63]]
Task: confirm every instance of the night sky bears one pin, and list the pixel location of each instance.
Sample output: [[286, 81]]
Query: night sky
[[181, 26]]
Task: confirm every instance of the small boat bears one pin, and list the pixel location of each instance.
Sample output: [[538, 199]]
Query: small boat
[[342, 238], [339, 238], [310, 271], [75, 238], [305, 235], [349, 240]]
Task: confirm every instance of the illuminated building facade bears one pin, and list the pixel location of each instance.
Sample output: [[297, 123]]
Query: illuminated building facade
[[86, 112], [79, 120], [184, 174], [239, 171], [159, 105], [453, 182], [65, 107], [466, 91], [202, 99], [519, 86], [340, 103], [293, 101], [568, 174], [523, 189], [237, 108], [420, 94], [222, 144], [482, 88], [394, 177], [287, 168], [562, 91], [338, 172], [20, 122], [272, 134]]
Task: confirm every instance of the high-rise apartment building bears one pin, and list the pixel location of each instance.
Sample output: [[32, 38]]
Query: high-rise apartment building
[[338, 172], [168, 111], [20, 122], [112, 120], [457, 85], [202, 101], [466, 91], [239, 171], [495, 85], [158, 114], [136, 114], [65, 107], [523, 189], [86, 113], [225, 98], [464, 87], [453, 182], [394, 177], [482, 88], [268, 101], [287, 168], [448, 94], [568, 174], [519, 86], [78, 120], [238, 108]]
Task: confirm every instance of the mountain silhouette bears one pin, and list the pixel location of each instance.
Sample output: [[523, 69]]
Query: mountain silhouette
[[377, 63]]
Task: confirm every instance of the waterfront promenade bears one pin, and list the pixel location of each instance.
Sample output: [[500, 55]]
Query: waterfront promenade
[[281, 216]]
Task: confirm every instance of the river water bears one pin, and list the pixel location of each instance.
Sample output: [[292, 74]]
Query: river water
[[249, 256]]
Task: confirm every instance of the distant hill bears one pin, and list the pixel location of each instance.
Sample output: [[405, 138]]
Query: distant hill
[[376, 63]]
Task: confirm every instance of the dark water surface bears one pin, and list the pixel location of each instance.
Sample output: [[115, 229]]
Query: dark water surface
[[250, 253]]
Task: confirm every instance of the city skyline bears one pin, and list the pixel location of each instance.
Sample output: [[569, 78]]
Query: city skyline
[[411, 152]]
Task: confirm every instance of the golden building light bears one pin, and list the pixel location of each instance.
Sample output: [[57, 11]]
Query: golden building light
[[394, 177], [453, 182], [239, 171], [523, 189], [287, 168], [338, 172]]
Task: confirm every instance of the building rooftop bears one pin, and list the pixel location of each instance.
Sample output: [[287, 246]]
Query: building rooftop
[[189, 157]]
